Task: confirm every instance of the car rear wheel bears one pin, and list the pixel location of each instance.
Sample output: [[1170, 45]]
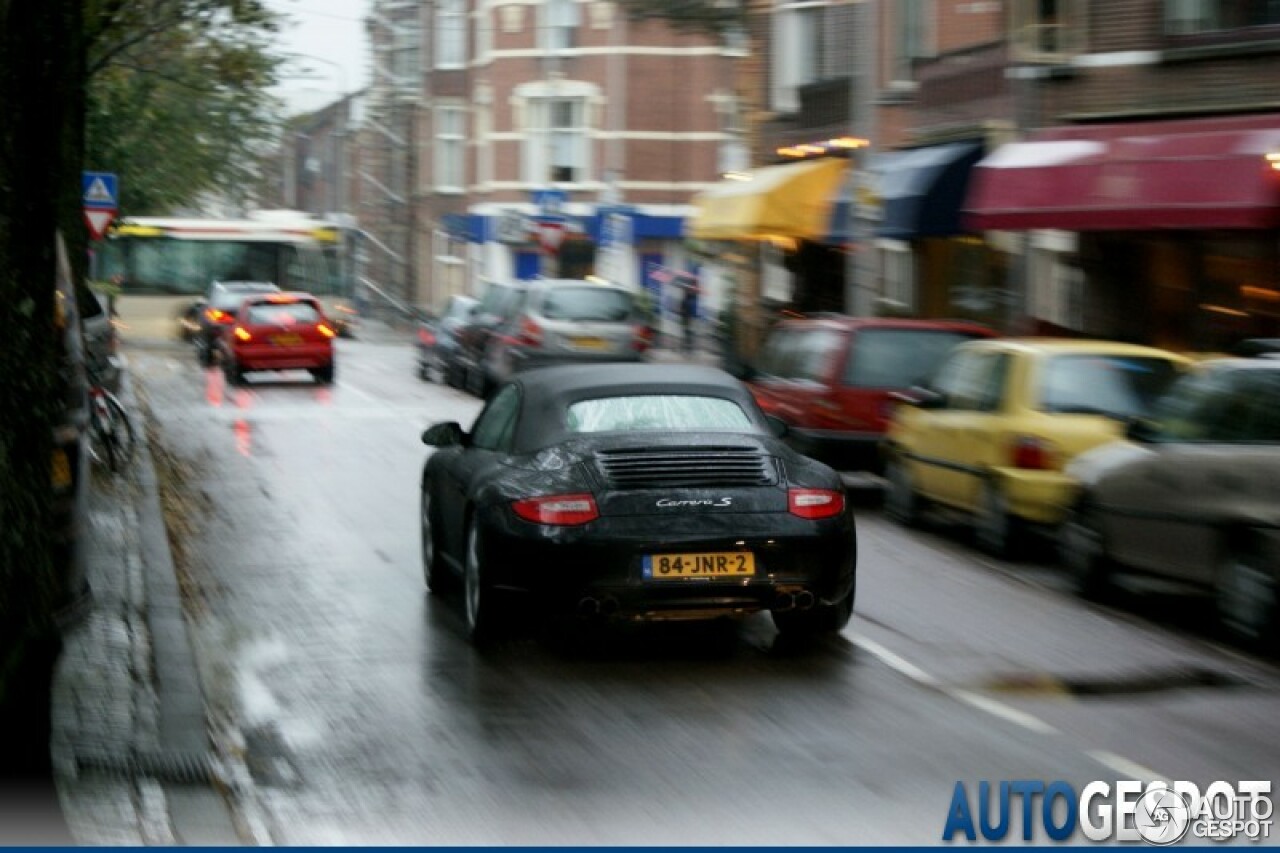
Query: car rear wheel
[[480, 602], [204, 353], [1084, 554], [997, 530], [1247, 599], [902, 502], [234, 373], [820, 619], [324, 375]]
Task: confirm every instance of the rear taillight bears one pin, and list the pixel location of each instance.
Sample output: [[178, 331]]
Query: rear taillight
[[530, 333], [815, 503], [325, 330], [426, 338], [216, 316], [1034, 454], [243, 334], [559, 510], [642, 339]]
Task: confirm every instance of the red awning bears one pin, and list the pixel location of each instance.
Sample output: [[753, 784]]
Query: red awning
[[1202, 173]]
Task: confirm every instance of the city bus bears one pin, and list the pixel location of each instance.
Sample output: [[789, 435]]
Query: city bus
[[160, 266]]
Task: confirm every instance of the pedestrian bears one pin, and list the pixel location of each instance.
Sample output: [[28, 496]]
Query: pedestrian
[[688, 308]]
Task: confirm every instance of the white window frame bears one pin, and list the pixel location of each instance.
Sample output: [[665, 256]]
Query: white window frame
[[561, 21], [897, 273], [797, 50], [913, 38], [450, 148], [451, 34], [533, 101]]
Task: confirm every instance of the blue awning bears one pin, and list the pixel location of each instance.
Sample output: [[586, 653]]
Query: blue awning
[[917, 193]]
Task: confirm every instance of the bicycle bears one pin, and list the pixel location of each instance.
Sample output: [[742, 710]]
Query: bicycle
[[111, 433]]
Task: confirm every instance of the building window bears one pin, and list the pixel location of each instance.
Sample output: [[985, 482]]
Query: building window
[[898, 272], [912, 37], [450, 149], [451, 33], [1191, 17], [733, 155], [799, 54], [1048, 29], [405, 65], [557, 148], [560, 25]]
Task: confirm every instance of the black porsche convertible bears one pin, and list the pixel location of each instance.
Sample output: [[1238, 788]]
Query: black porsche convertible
[[641, 492]]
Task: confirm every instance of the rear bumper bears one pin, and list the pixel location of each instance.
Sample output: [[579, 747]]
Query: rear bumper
[[1041, 497], [268, 357], [603, 562]]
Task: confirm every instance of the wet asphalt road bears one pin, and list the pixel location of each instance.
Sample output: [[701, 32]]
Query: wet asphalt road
[[367, 719]]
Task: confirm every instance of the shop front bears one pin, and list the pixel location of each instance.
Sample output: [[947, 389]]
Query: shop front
[[1176, 224]]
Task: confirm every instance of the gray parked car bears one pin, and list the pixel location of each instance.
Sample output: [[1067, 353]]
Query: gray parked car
[[568, 321], [1192, 500]]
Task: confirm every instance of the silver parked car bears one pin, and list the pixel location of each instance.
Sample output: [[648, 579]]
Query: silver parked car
[[566, 321], [1192, 499]]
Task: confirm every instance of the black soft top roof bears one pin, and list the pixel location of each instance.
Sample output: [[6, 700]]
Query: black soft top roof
[[549, 391]]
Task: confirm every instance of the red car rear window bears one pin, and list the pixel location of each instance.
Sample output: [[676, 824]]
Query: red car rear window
[[282, 313], [898, 358]]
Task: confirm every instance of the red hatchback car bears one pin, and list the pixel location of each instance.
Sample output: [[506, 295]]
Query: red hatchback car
[[829, 378], [279, 331]]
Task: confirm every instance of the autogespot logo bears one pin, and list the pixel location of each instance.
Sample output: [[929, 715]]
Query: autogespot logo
[[1159, 812]]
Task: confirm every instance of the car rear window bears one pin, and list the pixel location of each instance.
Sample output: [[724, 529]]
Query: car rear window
[[225, 298], [586, 304], [1117, 386], [801, 354], [282, 313], [656, 412], [898, 358]]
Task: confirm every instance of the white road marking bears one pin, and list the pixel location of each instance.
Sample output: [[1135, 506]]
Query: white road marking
[[1126, 768]]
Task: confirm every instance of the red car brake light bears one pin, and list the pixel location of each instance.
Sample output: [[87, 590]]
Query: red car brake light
[[243, 334], [558, 510], [325, 330], [1033, 454], [530, 333], [815, 503]]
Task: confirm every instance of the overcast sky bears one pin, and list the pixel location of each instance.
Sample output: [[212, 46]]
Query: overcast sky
[[329, 37]]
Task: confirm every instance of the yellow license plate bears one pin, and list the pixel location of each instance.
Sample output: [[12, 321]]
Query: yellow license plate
[[286, 340], [590, 343], [725, 564]]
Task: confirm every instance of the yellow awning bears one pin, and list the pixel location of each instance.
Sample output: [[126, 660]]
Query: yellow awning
[[792, 200]]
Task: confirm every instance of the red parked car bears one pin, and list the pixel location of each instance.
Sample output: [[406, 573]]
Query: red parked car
[[279, 331], [830, 377]]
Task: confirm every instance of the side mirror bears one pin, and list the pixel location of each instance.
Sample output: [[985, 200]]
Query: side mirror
[[1141, 430], [446, 434], [921, 398], [777, 426]]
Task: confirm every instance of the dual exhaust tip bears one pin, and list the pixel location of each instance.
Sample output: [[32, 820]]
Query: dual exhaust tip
[[592, 607], [802, 600]]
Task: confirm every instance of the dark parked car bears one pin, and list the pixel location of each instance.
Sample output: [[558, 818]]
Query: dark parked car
[[567, 321], [501, 302], [831, 379], [637, 492], [101, 342], [218, 310], [1192, 499], [436, 342]]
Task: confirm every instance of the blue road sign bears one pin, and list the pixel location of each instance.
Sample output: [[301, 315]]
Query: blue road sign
[[100, 191], [550, 202]]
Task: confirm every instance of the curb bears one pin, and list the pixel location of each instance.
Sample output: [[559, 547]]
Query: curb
[[131, 747]]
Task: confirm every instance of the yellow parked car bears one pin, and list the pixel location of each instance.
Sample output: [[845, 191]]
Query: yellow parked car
[[991, 435]]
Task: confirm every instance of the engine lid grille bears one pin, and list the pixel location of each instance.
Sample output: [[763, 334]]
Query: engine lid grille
[[658, 467]]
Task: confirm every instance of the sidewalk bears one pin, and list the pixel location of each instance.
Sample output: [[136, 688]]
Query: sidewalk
[[130, 742]]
